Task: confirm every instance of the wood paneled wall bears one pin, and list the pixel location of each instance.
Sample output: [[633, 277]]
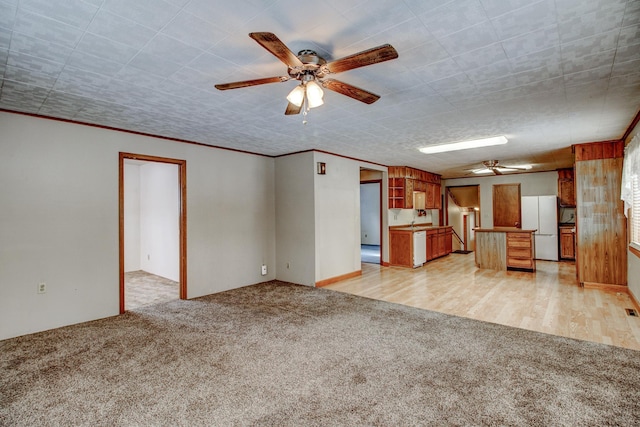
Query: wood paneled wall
[[491, 250], [598, 151], [601, 224]]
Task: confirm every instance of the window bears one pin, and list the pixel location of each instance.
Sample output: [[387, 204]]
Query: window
[[631, 190], [635, 213]]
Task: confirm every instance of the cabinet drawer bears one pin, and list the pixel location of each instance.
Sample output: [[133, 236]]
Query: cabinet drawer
[[519, 236], [518, 243], [519, 252], [519, 263]]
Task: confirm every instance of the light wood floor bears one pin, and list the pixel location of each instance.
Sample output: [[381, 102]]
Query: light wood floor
[[548, 300]]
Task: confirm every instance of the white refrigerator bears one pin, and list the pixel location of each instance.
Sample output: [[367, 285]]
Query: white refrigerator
[[541, 213]]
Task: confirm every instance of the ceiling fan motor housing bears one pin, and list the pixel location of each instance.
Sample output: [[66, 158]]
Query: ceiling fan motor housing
[[311, 63]]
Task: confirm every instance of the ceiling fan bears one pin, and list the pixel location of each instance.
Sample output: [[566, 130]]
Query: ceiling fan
[[493, 166], [311, 70]]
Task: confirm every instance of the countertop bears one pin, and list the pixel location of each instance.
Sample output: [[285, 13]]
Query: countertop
[[419, 227], [504, 230]]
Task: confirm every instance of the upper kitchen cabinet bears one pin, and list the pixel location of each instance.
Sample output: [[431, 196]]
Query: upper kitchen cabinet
[[566, 188], [403, 181]]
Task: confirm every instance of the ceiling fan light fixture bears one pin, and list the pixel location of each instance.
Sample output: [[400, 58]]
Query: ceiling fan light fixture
[[296, 96], [464, 145], [314, 94]]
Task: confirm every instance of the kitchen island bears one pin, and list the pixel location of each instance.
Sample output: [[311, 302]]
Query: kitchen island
[[503, 248]]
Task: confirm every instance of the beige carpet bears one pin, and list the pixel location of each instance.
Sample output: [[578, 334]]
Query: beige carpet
[[277, 354]]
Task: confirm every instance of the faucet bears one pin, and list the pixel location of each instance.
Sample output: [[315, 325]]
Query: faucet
[[412, 224]]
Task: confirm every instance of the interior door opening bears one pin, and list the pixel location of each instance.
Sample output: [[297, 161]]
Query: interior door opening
[[152, 230], [463, 214], [370, 216]]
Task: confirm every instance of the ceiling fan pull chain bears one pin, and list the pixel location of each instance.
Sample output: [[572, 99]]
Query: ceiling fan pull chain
[[305, 110]]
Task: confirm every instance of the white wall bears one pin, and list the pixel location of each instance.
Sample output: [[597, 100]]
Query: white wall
[[131, 217], [318, 217], [455, 220], [531, 184], [370, 213], [337, 226], [59, 221], [295, 218], [160, 220]]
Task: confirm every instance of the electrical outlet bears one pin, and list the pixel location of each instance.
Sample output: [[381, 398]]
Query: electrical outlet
[[42, 287], [264, 270]]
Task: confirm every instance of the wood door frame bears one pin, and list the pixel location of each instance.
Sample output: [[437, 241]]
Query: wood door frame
[[465, 234], [182, 194], [379, 182]]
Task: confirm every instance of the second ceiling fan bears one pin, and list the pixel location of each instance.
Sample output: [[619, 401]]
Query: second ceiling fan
[[311, 70]]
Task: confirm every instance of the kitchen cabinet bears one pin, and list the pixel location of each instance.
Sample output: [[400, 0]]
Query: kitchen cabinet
[[448, 240], [396, 193], [520, 250], [403, 181], [439, 242], [567, 243], [401, 251], [566, 188], [401, 247], [433, 196]]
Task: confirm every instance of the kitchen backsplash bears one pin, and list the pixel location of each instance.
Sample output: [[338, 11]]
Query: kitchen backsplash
[[406, 216], [567, 216]]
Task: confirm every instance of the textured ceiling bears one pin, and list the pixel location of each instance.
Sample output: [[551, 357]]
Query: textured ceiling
[[546, 74]]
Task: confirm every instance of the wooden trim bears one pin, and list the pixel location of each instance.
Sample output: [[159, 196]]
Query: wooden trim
[[121, 230], [606, 287], [385, 264], [633, 124], [380, 216], [634, 251], [634, 301], [315, 150], [614, 288], [133, 132], [182, 183], [379, 182], [332, 280]]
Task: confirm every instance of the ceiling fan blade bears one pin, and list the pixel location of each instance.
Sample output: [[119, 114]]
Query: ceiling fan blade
[[292, 109], [374, 55], [274, 45], [247, 83], [350, 91], [496, 171]]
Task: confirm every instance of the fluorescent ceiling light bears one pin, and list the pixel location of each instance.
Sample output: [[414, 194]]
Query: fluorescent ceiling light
[[476, 143]]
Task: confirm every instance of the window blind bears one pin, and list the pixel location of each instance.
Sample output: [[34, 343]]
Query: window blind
[[635, 212]]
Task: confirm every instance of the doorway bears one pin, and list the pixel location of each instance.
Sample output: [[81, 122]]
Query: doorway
[[161, 249], [463, 209], [370, 216]]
